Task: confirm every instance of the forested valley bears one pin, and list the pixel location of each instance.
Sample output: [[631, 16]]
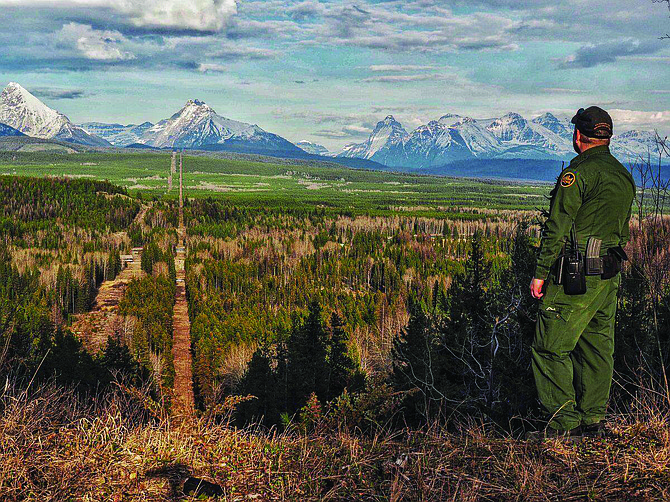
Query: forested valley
[[313, 328]]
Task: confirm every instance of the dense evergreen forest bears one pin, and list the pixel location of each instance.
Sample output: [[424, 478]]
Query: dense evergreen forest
[[252, 276], [29, 209], [149, 301]]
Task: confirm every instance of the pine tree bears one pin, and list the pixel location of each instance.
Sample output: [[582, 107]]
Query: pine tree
[[416, 370], [465, 330], [113, 264], [307, 359], [342, 369], [510, 331], [119, 363], [281, 373], [259, 381]]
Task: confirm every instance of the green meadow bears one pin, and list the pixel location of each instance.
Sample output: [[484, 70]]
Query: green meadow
[[278, 183]]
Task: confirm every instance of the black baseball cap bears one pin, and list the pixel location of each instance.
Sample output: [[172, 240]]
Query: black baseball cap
[[593, 122]]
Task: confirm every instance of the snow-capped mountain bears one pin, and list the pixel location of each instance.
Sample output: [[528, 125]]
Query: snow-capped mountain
[[449, 139], [455, 138], [435, 143], [24, 112], [313, 148], [197, 125], [635, 144], [6, 130], [385, 144], [562, 127], [472, 132], [117, 134]]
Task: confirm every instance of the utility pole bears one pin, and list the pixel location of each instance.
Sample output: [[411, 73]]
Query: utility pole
[[173, 169], [181, 165]]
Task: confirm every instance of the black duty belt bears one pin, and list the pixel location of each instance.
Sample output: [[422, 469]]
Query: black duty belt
[[610, 266], [605, 266]]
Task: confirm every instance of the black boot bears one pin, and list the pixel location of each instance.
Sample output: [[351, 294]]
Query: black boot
[[596, 430], [550, 433]]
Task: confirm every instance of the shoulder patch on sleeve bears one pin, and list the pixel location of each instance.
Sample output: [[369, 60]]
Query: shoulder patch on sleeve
[[568, 179]]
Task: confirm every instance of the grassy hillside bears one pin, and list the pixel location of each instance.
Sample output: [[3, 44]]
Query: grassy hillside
[[30, 144], [53, 448]]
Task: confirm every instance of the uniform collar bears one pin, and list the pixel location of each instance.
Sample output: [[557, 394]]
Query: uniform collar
[[591, 151]]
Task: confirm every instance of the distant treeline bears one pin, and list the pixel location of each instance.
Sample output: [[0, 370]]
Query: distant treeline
[[517, 169], [28, 205]]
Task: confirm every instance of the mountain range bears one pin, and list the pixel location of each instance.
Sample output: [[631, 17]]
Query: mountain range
[[450, 139], [454, 138], [6, 130], [25, 113], [117, 134], [198, 126], [313, 148]]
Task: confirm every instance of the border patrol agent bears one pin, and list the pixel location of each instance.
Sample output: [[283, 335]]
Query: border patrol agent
[[572, 354]]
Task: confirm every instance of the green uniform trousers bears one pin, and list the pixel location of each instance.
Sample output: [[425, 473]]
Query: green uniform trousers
[[573, 352]]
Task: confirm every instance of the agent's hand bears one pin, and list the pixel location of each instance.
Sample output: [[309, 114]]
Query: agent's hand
[[536, 288]]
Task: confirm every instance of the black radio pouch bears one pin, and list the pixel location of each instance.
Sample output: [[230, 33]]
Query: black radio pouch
[[574, 275]]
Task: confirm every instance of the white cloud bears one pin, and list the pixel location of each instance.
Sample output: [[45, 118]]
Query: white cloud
[[591, 55], [451, 78], [396, 67], [405, 78], [199, 15], [306, 10], [356, 130], [564, 90], [100, 45], [202, 15], [211, 68], [630, 119]]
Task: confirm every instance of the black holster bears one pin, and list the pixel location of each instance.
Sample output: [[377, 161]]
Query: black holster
[[570, 270], [612, 262]]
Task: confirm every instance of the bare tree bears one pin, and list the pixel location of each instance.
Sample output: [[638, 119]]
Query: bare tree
[[650, 233], [666, 36]]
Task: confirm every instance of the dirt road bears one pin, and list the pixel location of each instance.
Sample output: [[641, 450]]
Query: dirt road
[[94, 327], [181, 341]]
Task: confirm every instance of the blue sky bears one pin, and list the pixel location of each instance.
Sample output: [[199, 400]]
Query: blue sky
[[327, 71]]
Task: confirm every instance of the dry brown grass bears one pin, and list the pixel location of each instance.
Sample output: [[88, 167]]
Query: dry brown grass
[[53, 448]]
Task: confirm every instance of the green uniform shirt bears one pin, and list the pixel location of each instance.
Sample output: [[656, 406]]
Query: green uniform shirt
[[596, 192]]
